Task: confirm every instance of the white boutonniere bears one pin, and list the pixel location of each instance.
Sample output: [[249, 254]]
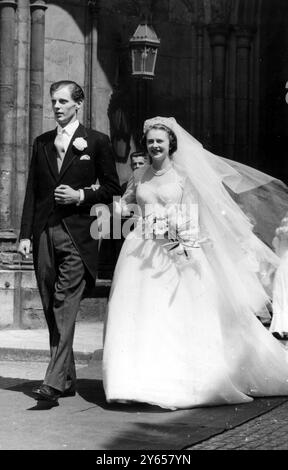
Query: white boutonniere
[[80, 144]]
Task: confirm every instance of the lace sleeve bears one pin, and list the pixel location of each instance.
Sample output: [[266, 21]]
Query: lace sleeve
[[129, 196]]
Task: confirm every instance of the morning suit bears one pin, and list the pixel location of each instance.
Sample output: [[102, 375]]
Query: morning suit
[[64, 253]]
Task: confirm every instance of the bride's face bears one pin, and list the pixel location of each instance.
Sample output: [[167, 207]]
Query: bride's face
[[158, 144]]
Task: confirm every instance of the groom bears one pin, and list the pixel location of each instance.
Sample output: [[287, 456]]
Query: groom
[[65, 163]]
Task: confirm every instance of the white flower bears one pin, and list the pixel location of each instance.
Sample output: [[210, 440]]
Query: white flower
[[80, 144], [160, 227]]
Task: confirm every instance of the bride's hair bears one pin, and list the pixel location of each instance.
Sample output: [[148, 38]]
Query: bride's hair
[[171, 136]]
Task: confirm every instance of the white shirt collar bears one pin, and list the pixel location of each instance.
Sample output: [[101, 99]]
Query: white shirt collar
[[69, 129]]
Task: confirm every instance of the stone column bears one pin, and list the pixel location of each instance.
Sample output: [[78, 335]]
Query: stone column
[[193, 79], [199, 82], [22, 113], [38, 8], [206, 88], [7, 106], [218, 39], [230, 98], [88, 65], [94, 64], [243, 45], [100, 88]]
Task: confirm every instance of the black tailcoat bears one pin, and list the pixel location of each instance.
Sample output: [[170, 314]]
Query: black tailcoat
[[77, 172]]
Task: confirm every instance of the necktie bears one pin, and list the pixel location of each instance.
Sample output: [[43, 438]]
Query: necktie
[[59, 144]]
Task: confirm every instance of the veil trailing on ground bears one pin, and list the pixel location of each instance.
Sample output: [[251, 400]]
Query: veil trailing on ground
[[239, 210]]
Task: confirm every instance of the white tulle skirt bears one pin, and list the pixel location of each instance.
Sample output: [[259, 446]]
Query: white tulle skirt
[[279, 323], [173, 340]]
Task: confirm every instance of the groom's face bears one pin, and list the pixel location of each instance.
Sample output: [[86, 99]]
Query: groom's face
[[64, 107]]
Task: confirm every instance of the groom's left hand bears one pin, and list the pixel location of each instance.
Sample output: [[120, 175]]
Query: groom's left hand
[[66, 195]]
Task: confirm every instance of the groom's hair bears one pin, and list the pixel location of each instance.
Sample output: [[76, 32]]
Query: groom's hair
[[77, 94]]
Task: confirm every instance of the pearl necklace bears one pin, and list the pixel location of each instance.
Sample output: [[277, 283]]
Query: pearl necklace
[[160, 172]]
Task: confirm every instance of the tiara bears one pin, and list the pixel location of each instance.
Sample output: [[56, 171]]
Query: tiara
[[169, 122]]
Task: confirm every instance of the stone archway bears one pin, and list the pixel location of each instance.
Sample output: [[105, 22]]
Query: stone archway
[[273, 76], [226, 119]]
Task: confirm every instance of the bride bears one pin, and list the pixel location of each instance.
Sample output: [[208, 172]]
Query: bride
[[182, 328]]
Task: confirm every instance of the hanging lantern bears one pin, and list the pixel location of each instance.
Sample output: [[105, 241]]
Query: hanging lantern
[[144, 46]]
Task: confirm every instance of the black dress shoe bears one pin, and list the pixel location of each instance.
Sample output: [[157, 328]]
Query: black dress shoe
[[45, 392], [277, 335], [36, 390]]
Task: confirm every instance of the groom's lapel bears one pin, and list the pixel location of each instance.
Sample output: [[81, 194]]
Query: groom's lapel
[[71, 152], [51, 154]]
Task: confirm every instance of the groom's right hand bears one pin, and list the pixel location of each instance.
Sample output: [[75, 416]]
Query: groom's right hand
[[24, 247]]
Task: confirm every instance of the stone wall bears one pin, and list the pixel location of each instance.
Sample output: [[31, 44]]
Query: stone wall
[[65, 31], [20, 303]]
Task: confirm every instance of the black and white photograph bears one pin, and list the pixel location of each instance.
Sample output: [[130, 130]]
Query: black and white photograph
[[143, 228]]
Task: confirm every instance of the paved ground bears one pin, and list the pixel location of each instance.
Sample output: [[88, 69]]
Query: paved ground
[[87, 422], [267, 432]]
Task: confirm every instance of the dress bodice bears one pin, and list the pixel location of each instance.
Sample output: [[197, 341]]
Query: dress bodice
[[160, 190]]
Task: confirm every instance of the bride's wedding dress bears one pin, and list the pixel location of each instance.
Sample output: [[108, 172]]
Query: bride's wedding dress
[[173, 338]]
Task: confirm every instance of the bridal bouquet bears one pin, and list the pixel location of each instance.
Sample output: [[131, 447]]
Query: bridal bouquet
[[178, 225], [156, 223], [184, 231]]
